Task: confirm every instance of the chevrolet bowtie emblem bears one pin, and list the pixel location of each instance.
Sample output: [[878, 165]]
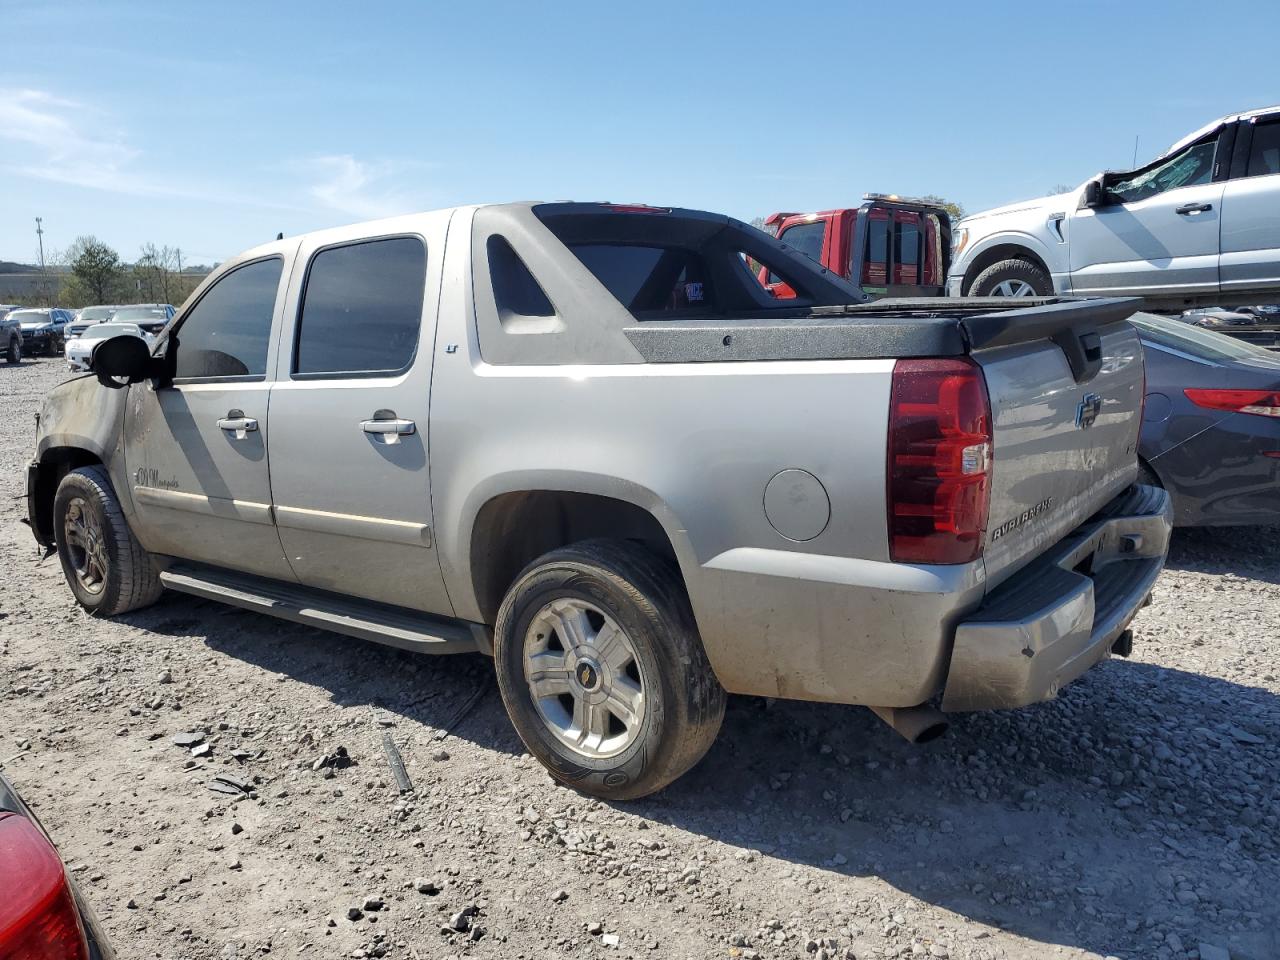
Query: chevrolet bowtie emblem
[[1087, 411]]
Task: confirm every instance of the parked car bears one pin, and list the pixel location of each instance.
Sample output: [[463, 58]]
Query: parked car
[[80, 350], [648, 482], [151, 317], [1215, 317], [888, 246], [1197, 225], [42, 329], [1211, 427], [42, 913], [1268, 312], [87, 317], [10, 335]]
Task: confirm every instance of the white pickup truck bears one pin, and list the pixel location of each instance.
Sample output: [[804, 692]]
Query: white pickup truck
[[1200, 224], [583, 438]]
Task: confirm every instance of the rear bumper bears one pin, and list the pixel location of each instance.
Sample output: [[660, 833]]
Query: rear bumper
[[1063, 613]]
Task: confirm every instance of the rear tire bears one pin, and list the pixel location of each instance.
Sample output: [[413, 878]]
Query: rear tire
[[105, 566], [14, 352], [1012, 278], [630, 645]]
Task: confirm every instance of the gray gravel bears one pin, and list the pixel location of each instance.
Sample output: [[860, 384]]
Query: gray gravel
[[1135, 817]]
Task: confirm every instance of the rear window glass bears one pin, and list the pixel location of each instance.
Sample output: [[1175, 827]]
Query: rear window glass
[[648, 279], [908, 251]]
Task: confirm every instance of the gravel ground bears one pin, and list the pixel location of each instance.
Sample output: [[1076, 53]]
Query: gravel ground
[[1134, 817]]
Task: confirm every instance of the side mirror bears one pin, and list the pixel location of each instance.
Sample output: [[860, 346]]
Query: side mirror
[[125, 357], [1094, 195]]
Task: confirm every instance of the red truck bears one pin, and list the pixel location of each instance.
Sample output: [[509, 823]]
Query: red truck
[[890, 246]]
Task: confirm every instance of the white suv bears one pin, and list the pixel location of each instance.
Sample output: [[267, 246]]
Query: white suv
[[1199, 224]]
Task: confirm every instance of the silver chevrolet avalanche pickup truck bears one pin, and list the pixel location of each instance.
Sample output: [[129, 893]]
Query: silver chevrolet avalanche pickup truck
[[584, 439]]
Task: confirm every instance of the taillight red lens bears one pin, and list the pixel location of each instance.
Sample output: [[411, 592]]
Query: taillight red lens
[[38, 916], [939, 467], [1265, 403]]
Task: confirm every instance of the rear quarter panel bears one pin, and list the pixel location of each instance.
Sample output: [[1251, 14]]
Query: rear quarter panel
[[693, 444]]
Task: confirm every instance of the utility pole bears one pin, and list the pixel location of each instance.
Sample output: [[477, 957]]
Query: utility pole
[[40, 237], [44, 276]]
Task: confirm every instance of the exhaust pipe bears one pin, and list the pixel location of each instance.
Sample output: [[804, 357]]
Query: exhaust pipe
[[914, 724]]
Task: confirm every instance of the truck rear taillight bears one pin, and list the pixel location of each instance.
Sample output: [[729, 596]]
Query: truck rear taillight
[[38, 916], [939, 465], [1265, 403]]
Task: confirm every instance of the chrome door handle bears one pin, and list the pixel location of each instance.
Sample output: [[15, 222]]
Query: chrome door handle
[[389, 431], [237, 424], [1189, 208]]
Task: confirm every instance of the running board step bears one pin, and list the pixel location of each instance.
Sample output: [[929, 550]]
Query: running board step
[[379, 622]]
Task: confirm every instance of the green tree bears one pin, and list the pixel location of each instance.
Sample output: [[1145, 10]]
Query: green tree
[[96, 266], [954, 210]]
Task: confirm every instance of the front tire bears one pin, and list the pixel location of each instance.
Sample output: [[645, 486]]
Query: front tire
[[602, 671], [105, 566], [14, 353], [1012, 278]]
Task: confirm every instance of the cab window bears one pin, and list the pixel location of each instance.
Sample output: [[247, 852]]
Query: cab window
[[1191, 167], [225, 335], [804, 238], [361, 310], [1264, 152]]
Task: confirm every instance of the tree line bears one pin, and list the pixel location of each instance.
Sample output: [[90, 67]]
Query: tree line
[[93, 273]]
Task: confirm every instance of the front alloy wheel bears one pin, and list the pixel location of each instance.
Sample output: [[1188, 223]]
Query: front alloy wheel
[[1013, 288], [86, 551]]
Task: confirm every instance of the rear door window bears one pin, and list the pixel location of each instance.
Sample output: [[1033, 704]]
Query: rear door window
[[225, 335], [361, 310], [1264, 153]]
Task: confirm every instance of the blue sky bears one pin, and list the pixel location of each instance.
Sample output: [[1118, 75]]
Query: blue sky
[[213, 126]]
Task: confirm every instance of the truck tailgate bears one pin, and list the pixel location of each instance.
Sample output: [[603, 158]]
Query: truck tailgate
[[1064, 435]]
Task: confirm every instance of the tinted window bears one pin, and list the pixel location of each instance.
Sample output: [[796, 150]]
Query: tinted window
[[361, 309], [647, 279], [806, 238], [1264, 154], [908, 240], [1192, 166], [226, 333], [515, 291]]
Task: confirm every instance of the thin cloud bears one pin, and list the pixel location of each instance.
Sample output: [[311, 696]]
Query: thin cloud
[[360, 188], [62, 141]]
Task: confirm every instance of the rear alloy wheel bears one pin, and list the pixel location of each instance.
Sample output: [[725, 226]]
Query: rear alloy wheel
[[1012, 278], [602, 671]]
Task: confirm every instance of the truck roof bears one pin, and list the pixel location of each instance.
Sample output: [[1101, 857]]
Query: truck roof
[[1213, 125]]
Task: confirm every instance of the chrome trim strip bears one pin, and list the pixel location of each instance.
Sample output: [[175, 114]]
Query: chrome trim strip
[[245, 510], [406, 532]]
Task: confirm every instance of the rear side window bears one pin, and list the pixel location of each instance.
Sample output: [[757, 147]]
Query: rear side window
[[1264, 154], [361, 309], [227, 332], [648, 279]]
